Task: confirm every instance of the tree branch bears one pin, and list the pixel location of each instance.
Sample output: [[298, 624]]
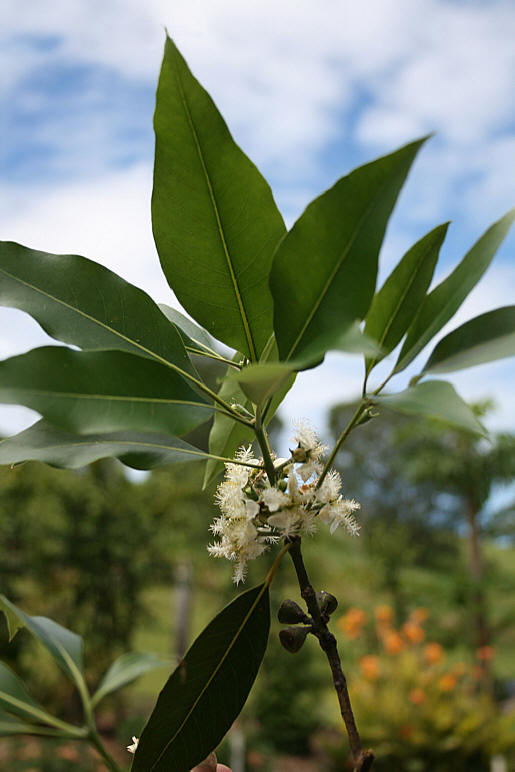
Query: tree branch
[[363, 760]]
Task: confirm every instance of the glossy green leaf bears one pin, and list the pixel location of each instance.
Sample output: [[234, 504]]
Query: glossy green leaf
[[124, 671], [65, 647], [443, 302], [78, 301], [396, 304], [434, 399], [192, 335], [101, 391], [12, 726], [207, 691], [215, 222], [57, 447], [485, 338], [324, 271]]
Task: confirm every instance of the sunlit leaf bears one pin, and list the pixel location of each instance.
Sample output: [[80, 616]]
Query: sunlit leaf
[[207, 691], [215, 222]]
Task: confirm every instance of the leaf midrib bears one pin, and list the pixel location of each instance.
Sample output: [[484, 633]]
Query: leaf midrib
[[221, 233], [251, 610], [337, 267], [400, 302], [109, 397], [98, 322]]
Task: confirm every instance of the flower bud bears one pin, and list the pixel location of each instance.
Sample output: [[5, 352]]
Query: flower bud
[[282, 485], [250, 492], [290, 613], [326, 602], [299, 455], [292, 638]]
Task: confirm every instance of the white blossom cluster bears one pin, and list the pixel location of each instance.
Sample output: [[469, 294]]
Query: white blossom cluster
[[255, 514]]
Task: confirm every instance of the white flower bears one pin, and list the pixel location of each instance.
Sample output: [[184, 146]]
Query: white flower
[[305, 436], [287, 521], [330, 487], [309, 468], [338, 513], [238, 474], [132, 748], [274, 499]]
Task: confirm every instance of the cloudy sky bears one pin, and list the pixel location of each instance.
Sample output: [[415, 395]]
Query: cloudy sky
[[309, 89]]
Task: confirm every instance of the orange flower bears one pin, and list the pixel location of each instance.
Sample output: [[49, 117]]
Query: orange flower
[[370, 667], [417, 696], [459, 669], [413, 632], [384, 614], [419, 615], [351, 623], [485, 653], [447, 682], [433, 653], [393, 642]]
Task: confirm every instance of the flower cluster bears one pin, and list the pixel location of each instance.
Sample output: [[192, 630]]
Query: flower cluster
[[256, 514]]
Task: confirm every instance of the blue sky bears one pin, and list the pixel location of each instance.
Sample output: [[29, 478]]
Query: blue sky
[[310, 90]]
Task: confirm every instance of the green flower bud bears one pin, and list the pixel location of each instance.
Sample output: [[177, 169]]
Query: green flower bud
[[282, 485], [290, 613], [292, 638], [326, 602], [250, 492]]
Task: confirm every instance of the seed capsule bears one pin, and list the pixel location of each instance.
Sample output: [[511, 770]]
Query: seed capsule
[[292, 638], [326, 602], [299, 455], [290, 613]]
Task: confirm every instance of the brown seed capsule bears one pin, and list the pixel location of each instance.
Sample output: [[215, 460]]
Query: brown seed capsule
[[290, 613], [326, 602], [292, 638]]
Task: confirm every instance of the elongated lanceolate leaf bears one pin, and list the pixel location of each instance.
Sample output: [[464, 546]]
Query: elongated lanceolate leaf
[[324, 272], [64, 646], [57, 447], [442, 303], [80, 302], [485, 338], [101, 391], [396, 304], [125, 670], [207, 691], [215, 222], [192, 335], [433, 399]]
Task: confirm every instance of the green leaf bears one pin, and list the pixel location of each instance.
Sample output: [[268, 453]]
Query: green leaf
[[15, 699], [191, 334], [259, 382], [11, 726], [443, 302], [101, 391], [64, 646], [207, 691], [324, 271], [215, 222], [398, 301], [78, 301], [434, 399], [485, 338], [123, 671], [227, 435], [54, 446]]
